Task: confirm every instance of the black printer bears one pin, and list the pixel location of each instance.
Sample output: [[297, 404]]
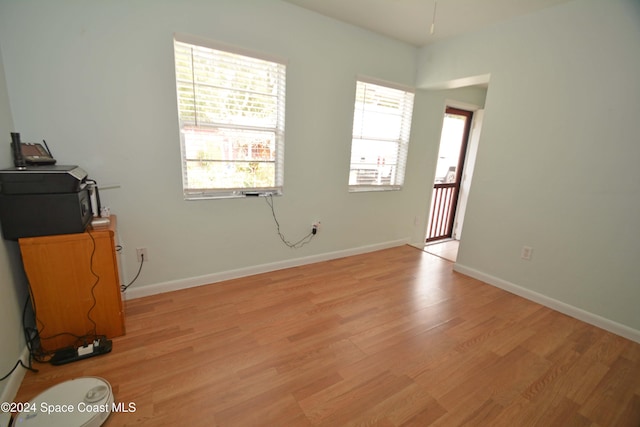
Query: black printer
[[43, 200]]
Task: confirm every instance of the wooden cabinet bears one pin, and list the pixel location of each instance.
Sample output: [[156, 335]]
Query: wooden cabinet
[[74, 285]]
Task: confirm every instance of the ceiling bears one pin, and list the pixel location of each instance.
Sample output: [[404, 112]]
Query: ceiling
[[410, 20]]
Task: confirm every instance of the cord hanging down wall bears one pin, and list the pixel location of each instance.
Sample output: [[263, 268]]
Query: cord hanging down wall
[[300, 243], [125, 287]]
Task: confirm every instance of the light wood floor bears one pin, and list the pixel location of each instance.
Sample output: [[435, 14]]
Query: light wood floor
[[390, 338], [447, 249]]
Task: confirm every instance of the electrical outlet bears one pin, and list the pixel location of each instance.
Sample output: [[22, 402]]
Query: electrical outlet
[[315, 227], [526, 253], [142, 252]]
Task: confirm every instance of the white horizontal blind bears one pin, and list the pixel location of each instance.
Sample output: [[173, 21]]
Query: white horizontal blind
[[231, 113], [381, 130]]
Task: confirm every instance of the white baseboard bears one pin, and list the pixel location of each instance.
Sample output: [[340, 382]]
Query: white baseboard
[[569, 310], [191, 282], [15, 379]]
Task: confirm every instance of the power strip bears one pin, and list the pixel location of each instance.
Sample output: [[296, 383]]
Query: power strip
[[72, 354]]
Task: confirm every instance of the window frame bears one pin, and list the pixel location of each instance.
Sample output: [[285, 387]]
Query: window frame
[[186, 126], [396, 172]]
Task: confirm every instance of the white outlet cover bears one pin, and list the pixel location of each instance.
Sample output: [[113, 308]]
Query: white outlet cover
[[526, 253]]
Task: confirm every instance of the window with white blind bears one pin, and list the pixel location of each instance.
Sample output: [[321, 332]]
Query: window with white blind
[[381, 129], [231, 112]]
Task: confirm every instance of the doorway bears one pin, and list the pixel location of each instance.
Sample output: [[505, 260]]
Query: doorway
[[454, 139]]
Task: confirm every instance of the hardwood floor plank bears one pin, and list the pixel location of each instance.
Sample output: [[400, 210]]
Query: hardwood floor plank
[[317, 385], [347, 402], [631, 413], [616, 388], [485, 415], [556, 410], [280, 409], [557, 370], [389, 338], [406, 405]]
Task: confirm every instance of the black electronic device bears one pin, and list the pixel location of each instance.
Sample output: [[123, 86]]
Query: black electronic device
[[36, 154], [16, 151], [42, 179], [32, 215], [30, 153], [100, 345], [42, 199]]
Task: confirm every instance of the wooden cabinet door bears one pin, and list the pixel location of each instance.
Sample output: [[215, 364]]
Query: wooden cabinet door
[[74, 285]]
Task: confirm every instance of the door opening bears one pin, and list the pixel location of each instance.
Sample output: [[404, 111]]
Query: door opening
[[454, 139]]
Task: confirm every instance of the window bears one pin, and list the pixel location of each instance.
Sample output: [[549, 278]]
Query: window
[[231, 113], [381, 128]]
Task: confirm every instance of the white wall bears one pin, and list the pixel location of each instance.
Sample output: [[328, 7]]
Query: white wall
[[557, 164], [13, 289], [96, 79]]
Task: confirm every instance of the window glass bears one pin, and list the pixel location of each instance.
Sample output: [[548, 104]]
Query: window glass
[[231, 114]]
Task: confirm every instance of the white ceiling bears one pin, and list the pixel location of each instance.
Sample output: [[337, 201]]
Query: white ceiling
[[410, 20]]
